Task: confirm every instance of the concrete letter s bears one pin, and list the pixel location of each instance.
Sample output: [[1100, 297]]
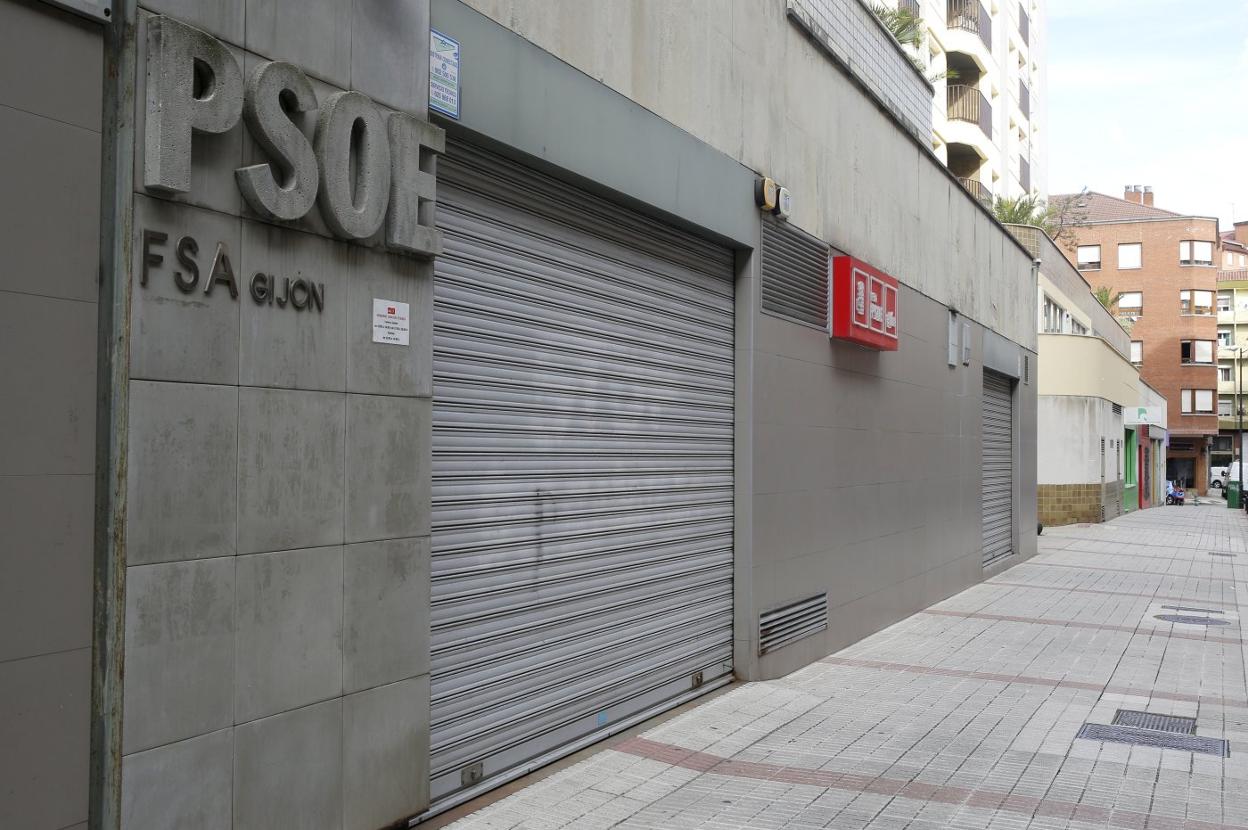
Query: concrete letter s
[[290, 150], [176, 54], [353, 210]]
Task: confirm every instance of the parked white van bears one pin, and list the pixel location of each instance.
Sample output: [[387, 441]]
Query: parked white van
[[1218, 475]]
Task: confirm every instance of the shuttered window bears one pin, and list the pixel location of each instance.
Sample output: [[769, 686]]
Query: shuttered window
[[582, 453], [998, 467]]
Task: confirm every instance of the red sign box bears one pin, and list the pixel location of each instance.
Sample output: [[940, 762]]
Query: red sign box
[[864, 304]]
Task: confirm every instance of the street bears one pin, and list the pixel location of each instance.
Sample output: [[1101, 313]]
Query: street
[[966, 714]]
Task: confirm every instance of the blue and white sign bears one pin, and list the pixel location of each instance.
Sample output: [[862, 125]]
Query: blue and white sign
[[443, 74]]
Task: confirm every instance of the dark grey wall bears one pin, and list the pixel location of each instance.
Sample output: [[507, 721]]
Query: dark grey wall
[[867, 473], [51, 66]]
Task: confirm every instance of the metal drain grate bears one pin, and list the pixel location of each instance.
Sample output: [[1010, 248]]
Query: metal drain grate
[[1196, 610], [1158, 723], [1189, 620], [1148, 737], [1215, 553]]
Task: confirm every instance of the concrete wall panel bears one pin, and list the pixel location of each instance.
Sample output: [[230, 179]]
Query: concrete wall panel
[[385, 734], [177, 335], [385, 612], [179, 651], [288, 770], [185, 440], [187, 785], [286, 347], [289, 623], [290, 469], [387, 467]]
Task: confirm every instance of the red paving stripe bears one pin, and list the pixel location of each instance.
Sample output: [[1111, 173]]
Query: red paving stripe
[[1132, 571], [1213, 560], [1126, 629], [1103, 592], [1028, 680], [854, 782]]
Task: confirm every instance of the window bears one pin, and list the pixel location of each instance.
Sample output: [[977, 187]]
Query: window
[[1137, 351], [1196, 351], [1196, 400], [1224, 338], [1078, 328], [1052, 320], [1131, 302], [1129, 254], [1226, 406], [1224, 374], [1224, 301], [1196, 302], [1195, 252], [1089, 257]]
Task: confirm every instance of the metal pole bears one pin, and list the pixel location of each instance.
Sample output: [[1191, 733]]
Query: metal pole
[[1239, 411]]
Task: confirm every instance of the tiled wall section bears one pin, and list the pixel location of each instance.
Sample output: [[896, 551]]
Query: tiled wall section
[[1064, 504], [849, 30], [50, 110], [277, 659]]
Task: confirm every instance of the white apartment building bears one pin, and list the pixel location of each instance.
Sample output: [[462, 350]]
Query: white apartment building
[[988, 111]]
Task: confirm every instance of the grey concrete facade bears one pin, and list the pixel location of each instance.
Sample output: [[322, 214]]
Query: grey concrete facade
[[278, 465], [50, 137], [275, 479]]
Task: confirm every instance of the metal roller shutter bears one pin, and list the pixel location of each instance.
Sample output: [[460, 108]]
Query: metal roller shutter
[[998, 481], [582, 468]]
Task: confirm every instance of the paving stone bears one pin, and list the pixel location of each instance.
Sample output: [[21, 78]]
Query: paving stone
[[965, 715]]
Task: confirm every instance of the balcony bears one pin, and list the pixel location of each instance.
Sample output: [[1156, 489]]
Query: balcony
[[1024, 99], [1024, 24], [978, 190], [970, 16], [1024, 175], [966, 103]]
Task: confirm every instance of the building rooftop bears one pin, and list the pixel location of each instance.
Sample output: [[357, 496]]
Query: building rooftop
[[1098, 207]]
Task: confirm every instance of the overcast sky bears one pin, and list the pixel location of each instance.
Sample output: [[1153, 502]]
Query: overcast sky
[[1151, 92]]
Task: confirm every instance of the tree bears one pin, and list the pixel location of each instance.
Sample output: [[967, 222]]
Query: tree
[[1107, 298], [1058, 218], [910, 32]]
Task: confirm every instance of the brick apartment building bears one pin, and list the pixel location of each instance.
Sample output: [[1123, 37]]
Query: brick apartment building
[[1162, 268]]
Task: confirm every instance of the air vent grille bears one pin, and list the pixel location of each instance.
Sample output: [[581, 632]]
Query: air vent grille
[[795, 274], [781, 626], [1117, 409]]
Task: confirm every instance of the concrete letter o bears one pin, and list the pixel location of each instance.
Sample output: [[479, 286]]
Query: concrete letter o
[[349, 124]]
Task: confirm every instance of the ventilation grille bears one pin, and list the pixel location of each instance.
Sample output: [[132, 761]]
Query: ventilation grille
[[1026, 369], [782, 626], [795, 274], [1117, 409]]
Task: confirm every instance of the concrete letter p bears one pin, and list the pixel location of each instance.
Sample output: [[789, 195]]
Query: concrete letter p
[[193, 83]]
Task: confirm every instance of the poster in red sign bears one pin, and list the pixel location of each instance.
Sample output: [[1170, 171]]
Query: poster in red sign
[[863, 303]]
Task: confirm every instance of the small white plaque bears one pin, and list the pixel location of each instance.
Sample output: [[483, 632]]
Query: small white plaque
[[391, 323]]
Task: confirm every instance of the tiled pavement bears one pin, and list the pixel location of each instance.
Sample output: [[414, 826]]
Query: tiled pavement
[[965, 715]]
